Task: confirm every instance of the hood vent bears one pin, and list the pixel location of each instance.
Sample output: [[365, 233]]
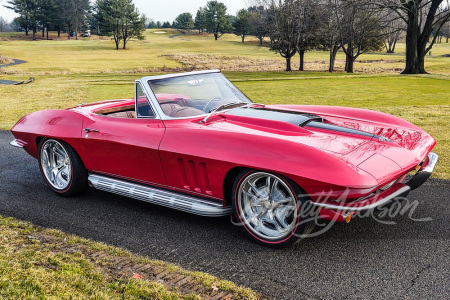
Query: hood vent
[[296, 118], [332, 127], [299, 119]]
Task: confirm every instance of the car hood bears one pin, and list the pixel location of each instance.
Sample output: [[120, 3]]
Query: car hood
[[382, 150]]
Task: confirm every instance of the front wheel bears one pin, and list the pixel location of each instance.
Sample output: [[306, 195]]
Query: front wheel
[[62, 168], [268, 208]]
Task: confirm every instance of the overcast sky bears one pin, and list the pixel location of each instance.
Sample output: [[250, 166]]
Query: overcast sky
[[159, 10]]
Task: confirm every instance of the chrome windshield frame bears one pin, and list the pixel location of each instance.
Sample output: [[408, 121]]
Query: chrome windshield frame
[[152, 97], [152, 106]]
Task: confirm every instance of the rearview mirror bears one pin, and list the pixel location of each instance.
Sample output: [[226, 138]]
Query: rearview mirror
[[192, 83]]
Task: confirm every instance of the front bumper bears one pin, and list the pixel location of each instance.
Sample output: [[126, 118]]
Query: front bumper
[[424, 172], [18, 143], [340, 210]]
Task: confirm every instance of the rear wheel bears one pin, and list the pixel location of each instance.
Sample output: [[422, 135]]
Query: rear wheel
[[62, 168], [268, 208]]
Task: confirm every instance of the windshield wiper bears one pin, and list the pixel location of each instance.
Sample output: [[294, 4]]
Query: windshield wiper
[[216, 109]]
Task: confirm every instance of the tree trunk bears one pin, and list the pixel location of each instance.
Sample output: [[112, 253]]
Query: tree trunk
[[76, 33], [59, 32], [421, 59], [34, 33], [117, 41], [288, 64], [302, 60], [243, 38], [261, 41], [124, 36], [216, 36], [393, 46], [43, 31], [333, 53], [47, 33], [349, 63], [412, 33], [390, 46]]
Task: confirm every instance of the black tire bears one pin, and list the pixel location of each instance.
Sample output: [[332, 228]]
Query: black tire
[[298, 228], [77, 174]]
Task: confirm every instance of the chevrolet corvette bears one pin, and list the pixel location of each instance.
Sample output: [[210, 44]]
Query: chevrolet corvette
[[194, 142]]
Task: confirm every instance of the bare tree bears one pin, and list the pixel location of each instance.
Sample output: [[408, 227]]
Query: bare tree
[[327, 31], [283, 36], [422, 18], [359, 27], [446, 31], [392, 29], [308, 24], [4, 25]]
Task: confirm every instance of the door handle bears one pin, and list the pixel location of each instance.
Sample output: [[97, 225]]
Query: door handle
[[87, 130]]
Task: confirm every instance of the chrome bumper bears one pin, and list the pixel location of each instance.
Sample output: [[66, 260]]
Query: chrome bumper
[[18, 143], [424, 172], [398, 190]]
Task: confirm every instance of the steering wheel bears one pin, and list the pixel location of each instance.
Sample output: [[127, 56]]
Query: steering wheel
[[216, 98]]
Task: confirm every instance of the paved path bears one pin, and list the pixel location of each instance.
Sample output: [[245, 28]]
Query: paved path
[[16, 62], [363, 259]]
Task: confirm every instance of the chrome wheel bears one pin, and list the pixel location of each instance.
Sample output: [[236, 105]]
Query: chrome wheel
[[267, 206], [56, 164]]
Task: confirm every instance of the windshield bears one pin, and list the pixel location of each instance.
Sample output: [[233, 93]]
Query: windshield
[[194, 95]]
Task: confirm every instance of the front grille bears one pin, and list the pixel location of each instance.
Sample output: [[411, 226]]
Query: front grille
[[385, 187]]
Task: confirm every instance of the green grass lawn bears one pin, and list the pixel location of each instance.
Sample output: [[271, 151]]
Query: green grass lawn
[[93, 55], [38, 263]]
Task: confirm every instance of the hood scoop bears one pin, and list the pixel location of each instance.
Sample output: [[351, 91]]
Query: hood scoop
[[295, 118], [300, 119]]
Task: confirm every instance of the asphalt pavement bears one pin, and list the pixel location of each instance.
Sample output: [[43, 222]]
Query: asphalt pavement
[[360, 260]]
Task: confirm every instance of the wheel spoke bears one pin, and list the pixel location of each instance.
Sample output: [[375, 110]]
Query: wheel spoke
[[284, 200], [57, 151], [60, 178], [255, 190], [272, 188], [281, 219], [255, 217]]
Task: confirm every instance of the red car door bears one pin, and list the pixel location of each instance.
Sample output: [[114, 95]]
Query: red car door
[[126, 147]]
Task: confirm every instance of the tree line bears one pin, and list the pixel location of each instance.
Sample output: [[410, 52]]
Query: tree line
[[119, 19], [290, 26], [351, 26], [44, 15]]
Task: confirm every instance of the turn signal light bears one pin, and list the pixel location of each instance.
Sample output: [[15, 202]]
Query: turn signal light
[[347, 217]]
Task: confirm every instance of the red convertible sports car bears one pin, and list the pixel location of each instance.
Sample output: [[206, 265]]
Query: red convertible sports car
[[194, 142]]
